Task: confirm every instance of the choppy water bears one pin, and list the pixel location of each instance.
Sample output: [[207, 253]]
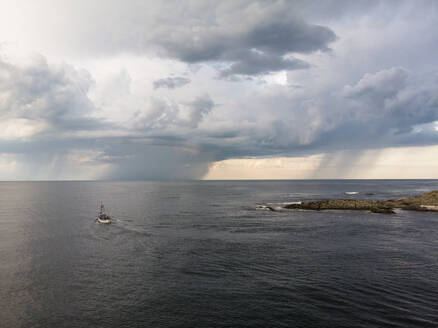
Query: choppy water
[[200, 254]]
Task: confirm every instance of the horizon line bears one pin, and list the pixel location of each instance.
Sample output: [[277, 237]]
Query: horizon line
[[213, 180]]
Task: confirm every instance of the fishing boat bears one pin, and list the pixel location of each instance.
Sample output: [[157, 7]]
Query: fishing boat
[[102, 217]]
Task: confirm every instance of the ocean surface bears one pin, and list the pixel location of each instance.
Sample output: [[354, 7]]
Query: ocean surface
[[207, 254]]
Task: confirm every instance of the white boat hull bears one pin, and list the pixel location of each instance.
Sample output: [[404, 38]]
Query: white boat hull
[[104, 221]]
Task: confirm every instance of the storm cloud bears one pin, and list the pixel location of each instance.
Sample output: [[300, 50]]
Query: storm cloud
[[251, 49], [382, 109], [146, 89]]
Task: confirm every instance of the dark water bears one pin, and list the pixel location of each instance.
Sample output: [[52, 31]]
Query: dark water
[[200, 254]]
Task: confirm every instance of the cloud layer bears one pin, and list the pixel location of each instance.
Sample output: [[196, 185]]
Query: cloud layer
[[162, 89]]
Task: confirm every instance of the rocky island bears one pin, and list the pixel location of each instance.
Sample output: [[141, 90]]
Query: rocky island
[[424, 202]]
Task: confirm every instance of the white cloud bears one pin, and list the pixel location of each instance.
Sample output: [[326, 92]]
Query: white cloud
[[20, 128]]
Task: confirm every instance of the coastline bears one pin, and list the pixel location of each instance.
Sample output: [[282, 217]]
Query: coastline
[[427, 202]]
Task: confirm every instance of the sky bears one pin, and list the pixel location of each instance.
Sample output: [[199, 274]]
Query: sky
[[239, 89]]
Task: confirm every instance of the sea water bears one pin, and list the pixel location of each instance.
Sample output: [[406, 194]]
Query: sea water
[[212, 254]]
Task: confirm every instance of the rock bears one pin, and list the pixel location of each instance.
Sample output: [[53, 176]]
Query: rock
[[424, 202], [382, 210]]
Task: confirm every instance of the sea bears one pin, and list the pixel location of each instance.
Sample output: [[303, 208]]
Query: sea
[[212, 254]]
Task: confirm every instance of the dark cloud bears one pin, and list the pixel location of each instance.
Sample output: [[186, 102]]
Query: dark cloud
[[254, 63], [390, 100], [384, 109], [56, 96], [253, 49], [171, 82], [177, 139], [268, 36], [142, 159], [128, 158], [284, 33]]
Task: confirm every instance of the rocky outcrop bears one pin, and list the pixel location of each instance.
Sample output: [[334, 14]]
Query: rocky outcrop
[[424, 202]]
